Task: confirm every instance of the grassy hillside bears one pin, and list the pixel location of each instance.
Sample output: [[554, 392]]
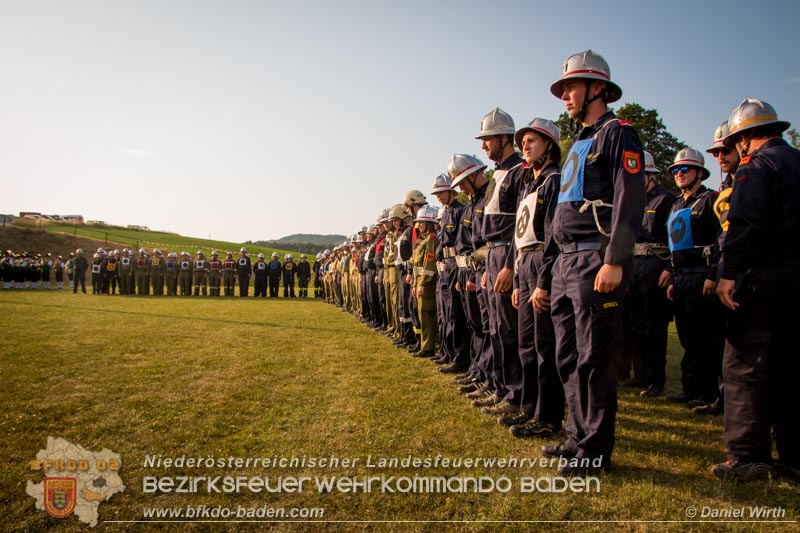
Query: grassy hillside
[[281, 378], [118, 237]]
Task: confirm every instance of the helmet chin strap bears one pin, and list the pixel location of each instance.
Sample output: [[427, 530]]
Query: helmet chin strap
[[689, 186], [576, 123], [539, 163]]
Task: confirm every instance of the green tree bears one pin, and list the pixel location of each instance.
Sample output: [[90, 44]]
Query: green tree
[[655, 138], [794, 138]]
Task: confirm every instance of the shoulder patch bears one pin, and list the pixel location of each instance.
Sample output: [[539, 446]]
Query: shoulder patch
[[630, 160], [625, 123], [744, 160], [430, 256]]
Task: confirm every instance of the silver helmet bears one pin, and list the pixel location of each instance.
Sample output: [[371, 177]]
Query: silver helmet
[[649, 162], [545, 127], [496, 122], [693, 158], [462, 165], [752, 113], [441, 184], [587, 65]]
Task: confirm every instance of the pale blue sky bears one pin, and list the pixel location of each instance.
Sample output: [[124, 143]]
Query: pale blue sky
[[257, 119]]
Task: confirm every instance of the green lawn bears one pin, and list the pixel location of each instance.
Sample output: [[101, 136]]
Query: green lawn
[[280, 378]]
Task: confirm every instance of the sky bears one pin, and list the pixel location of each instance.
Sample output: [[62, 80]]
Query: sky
[[251, 120]]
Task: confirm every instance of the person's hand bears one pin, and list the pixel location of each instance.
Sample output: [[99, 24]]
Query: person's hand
[[725, 290], [608, 278], [540, 300], [504, 281]]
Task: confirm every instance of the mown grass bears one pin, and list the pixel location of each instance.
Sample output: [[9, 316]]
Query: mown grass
[[235, 377]]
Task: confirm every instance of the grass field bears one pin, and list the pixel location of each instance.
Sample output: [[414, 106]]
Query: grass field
[[263, 378]]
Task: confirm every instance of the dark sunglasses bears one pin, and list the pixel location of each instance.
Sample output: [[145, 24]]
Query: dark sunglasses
[[683, 170], [722, 151]]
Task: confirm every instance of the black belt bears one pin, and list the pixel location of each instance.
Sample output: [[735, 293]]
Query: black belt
[[538, 247], [494, 244], [691, 270], [580, 246]]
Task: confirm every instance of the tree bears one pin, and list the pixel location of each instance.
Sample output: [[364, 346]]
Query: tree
[[794, 138], [655, 138]]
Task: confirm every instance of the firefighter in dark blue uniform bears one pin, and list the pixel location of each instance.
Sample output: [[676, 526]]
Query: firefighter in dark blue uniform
[[728, 159], [467, 173], [693, 229], [406, 305], [497, 138], [598, 216], [244, 270], [455, 336], [260, 277], [274, 275], [760, 284], [541, 412], [647, 309]]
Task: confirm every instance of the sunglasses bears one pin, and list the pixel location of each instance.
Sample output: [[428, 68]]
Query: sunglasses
[[722, 151], [681, 170]]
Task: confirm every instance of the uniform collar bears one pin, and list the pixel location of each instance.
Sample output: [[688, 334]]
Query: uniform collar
[[510, 162]]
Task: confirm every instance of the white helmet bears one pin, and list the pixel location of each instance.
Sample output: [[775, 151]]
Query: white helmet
[[545, 127], [302, 256], [319, 256], [427, 213], [100, 251], [141, 251], [242, 249], [96, 255], [719, 136], [587, 65], [384, 216], [414, 197], [79, 251], [496, 122], [288, 256], [184, 254], [156, 251], [462, 165], [261, 256], [327, 251], [649, 162], [172, 255], [200, 252], [752, 113], [274, 254], [441, 184], [693, 158], [214, 253]]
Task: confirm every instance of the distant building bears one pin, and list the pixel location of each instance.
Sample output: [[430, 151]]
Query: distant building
[[77, 219], [140, 228], [96, 222], [30, 214], [7, 219]]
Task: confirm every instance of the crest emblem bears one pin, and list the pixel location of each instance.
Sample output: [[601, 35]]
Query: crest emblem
[[630, 161], [60, 496]]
